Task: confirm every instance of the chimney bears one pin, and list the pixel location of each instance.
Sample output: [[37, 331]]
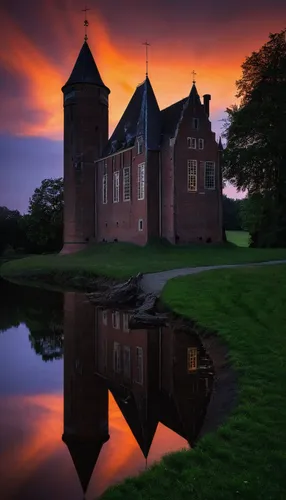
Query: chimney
[[207, 99]]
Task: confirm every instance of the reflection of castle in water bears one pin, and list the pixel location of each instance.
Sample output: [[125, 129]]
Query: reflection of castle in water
[[154, 376]]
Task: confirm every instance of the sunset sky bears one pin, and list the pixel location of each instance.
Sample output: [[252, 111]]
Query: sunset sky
[[39, 43]]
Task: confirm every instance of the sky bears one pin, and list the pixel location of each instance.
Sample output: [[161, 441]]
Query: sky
[[40, 41]]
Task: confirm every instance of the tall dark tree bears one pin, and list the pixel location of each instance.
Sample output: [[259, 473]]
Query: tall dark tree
[[44, 221], [11, 234], [255, 157]]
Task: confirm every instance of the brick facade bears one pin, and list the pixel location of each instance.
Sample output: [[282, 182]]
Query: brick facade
[[168, 209]]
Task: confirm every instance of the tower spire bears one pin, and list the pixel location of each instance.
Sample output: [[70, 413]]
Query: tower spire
[[86, 23], [147, 45], [194, 76]]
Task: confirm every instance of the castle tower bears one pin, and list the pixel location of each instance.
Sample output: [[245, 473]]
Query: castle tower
[[85, 393], [85, 135]]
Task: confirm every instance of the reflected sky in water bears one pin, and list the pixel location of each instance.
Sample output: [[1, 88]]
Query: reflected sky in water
[[34, 461]]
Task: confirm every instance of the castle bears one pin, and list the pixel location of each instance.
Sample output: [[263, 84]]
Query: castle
[[157, 176]]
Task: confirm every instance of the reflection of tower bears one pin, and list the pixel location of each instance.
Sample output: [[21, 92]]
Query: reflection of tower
[[85, 394]]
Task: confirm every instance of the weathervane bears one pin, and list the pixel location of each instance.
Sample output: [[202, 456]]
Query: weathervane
[[147, 45], [194, 76], [86, 23]]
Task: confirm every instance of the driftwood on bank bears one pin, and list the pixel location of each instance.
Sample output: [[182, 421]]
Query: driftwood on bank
[[118, 295], [141, 306]]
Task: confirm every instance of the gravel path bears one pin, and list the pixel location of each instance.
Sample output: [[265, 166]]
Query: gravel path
[[155, 282]]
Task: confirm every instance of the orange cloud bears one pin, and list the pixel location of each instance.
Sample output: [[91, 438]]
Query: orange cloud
[[215, 53]]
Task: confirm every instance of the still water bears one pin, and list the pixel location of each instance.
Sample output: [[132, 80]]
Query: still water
[[84, 402]]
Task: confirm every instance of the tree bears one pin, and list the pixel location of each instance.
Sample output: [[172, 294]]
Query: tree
[[11, 232], [231, 213], [44, 221], [255, 157]]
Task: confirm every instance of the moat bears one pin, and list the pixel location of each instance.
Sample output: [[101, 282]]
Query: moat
[[86, 402]]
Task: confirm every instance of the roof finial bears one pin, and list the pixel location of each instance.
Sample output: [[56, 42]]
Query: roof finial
[[86, 24], [146, 45], [194, 76]]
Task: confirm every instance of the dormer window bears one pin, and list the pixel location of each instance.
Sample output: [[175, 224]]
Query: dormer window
[[140, 145], [192, 142], [195, 124]]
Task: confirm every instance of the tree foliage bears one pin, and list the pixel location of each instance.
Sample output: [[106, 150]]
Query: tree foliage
[[44, 221], [12, 235], [231, 214], [255, 157]]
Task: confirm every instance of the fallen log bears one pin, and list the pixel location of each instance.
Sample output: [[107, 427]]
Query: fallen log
[[118, 295], [145, 320]]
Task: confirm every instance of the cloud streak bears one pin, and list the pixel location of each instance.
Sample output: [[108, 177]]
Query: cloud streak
[[214, 41]]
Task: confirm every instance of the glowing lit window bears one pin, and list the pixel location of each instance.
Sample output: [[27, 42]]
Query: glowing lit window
[[192, 360]]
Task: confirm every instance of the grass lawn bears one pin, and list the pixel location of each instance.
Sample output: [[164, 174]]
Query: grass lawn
[[121, 260], [246, 457], [238, 238]]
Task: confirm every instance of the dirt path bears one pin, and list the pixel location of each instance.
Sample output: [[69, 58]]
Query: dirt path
[[155, 282]]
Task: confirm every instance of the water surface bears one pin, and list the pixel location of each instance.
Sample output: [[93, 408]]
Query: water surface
[[84, 401]]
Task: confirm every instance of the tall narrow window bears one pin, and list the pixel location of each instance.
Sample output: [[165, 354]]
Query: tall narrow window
[[116, 186], [139, 365], [116, 357], [201, 143], [125, 322], [104, 189], [141, 181], [210, 175], [126, 363], [126, 184], [192, 142], [192, 359], [195, 123], [192, 175], [139, 145], [116, 320], [104, 317]]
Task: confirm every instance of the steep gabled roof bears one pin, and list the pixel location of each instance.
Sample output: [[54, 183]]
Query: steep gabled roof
[[85, 69], [170, 117], [140, 118], [141, 421]]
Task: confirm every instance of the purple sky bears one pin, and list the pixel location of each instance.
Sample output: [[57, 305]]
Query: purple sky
[[40, 39]]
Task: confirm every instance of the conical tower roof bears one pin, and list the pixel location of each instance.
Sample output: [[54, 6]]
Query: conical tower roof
[[84, 453], [85, 69]]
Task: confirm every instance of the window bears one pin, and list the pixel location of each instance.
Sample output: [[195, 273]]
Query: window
[[104, 189], [139, 145], [104, 318], [126, 184], [140, 225], [192, 175], [192, 143], [116, 320], [126, 363], [116, 357], [192, 359], [139, 365], [201, 143], [125, 322], [209, 175], [195, 123], [141, 181], [116, 186], [104, 355]]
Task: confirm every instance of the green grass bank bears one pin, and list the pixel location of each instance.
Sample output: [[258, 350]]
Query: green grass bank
[[121, 260], [246, 457]]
